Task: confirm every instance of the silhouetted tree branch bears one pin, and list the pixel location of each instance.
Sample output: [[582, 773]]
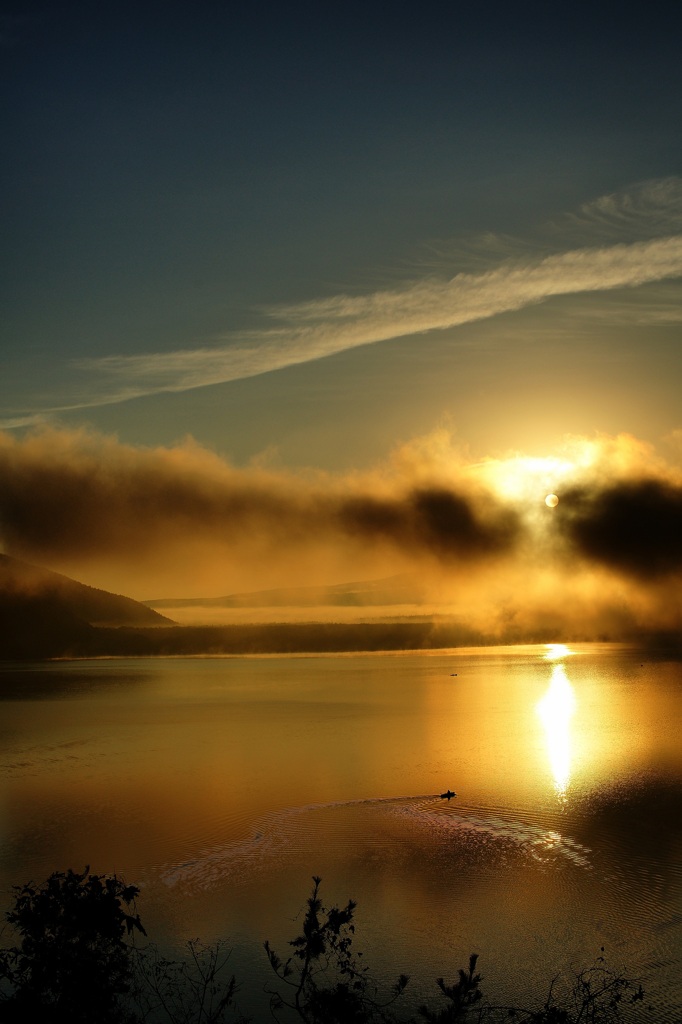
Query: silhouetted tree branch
[[195, 990], [325, 979]]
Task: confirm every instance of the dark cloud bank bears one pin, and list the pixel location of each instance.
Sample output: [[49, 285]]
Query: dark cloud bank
[[96, 498], [633, 527], [605, 564]]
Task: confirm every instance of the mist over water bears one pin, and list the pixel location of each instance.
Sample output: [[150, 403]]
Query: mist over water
[[222, 785]]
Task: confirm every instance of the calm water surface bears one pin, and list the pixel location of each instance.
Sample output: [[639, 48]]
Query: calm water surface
[[222, 785]]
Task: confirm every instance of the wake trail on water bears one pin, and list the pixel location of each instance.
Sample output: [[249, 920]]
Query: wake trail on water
[[441, 830]]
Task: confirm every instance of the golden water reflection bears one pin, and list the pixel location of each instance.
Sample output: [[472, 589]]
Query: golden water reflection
[[556, 710], [556, 651]]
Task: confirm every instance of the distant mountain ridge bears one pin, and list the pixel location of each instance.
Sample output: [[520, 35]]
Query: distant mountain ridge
[[401, 589], [44, 615], [43, 612]]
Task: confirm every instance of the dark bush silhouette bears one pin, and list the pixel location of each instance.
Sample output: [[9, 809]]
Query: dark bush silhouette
[[72, 963], [461, 996]]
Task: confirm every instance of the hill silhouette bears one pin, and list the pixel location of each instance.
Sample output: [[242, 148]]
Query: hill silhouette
[[44, 614]]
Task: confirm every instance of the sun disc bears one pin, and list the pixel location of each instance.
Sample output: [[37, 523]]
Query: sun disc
[[551, 501]]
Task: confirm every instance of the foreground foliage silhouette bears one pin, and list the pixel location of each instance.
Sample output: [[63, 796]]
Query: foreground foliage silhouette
[[595, 994], [325, 982], [325, 979], [72, 963], [77, 962], [196, 990]]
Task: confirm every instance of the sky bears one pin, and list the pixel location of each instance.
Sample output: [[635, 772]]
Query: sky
[[303, 293]]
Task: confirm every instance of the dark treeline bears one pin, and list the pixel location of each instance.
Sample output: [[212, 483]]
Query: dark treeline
[[81, 956], [38, 636]]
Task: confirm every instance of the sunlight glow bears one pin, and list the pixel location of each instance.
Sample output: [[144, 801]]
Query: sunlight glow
[[524, 477], [556, 651], [556, 710], [533, 478]]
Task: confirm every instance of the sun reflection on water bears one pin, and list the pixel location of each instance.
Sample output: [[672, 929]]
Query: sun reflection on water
[[556, 651], [556, 710]]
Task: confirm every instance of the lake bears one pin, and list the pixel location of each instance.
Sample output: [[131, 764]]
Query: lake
[[221, 786]]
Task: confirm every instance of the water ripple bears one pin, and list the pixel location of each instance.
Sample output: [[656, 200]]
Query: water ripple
[[481, 833]]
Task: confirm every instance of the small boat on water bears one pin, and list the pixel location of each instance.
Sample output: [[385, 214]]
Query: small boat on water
[[447, 796]]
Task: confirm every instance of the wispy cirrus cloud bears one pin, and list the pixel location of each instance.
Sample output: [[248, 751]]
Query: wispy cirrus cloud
[[645, 210], [308, 331], [325, 327]]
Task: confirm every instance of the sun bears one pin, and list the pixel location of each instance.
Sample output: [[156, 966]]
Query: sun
[[551, 501]]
